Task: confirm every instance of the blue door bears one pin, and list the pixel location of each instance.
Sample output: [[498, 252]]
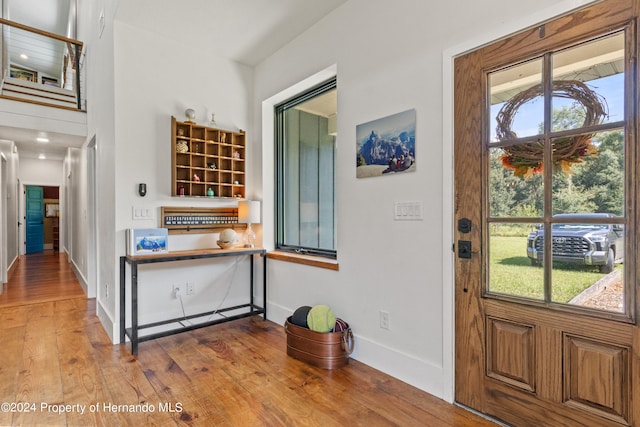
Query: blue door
[[34, 219]]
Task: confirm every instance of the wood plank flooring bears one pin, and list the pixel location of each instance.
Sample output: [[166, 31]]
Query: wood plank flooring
[[55, 352], [39, 277]]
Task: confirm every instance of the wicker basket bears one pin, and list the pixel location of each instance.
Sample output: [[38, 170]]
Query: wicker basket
[[182, 146]]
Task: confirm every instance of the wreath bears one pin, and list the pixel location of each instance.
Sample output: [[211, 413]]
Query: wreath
[[526, 159]]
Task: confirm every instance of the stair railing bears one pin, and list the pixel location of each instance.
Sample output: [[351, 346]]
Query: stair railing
[[41, 57]]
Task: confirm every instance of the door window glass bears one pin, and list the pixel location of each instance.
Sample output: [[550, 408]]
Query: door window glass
[[557, 173], [507, 263], [516, 82]]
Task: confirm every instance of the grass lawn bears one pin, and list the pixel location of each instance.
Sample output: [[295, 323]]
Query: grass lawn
[[511, 272]]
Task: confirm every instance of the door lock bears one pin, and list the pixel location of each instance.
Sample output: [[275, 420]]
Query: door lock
[[464, 225], [464, 249]]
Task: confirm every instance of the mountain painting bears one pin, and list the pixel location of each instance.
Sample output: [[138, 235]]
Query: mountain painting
[[386, 146]]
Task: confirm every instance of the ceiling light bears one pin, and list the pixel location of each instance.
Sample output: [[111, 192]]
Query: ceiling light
[[42, 156], [24, 56], [42, 139]]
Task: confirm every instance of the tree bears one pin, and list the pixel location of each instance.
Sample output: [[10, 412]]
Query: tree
[[594, 185], [603, 175]]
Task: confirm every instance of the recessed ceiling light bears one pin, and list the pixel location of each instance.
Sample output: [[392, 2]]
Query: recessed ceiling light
[[24, 56], [42, 139], [42, 156]]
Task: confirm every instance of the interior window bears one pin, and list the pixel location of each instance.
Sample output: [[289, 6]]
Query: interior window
[[305, 178]]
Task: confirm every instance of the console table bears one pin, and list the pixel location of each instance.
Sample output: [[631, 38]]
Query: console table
[[135, 260]]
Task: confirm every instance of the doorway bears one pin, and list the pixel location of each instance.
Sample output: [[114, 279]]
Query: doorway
[[545, 216], [42, 218]]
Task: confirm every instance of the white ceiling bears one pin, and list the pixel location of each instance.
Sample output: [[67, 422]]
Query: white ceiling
[[245, 31], [29, 147], [48, 15], [44, 54]]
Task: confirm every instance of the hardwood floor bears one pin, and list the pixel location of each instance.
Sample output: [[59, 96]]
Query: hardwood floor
[[39, 277], [56, 353]]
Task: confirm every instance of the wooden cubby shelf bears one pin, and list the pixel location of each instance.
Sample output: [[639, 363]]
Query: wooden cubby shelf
[[204, 158]]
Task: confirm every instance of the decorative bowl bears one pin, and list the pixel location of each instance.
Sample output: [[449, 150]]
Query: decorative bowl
[[225, 245]]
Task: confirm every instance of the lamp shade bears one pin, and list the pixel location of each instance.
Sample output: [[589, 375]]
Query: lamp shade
[[249, 212]]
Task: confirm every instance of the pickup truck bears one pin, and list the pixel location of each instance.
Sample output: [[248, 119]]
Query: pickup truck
[[601, 245]]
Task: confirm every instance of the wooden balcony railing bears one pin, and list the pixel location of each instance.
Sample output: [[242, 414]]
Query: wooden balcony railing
[[40, 67]]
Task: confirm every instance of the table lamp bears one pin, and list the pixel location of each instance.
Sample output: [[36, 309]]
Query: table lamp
[[248, 213]]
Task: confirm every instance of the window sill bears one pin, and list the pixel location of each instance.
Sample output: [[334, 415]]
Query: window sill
[[313, 261]]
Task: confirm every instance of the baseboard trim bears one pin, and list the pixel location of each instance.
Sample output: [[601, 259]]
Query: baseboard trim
[[107, 323], [420, 373], [79, 276], [13, 267]]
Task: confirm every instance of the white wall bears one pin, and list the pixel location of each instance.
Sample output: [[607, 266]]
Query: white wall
[[9, 205], [156, 78], [388, 57], [100, 95], [40, 171], [74, 214]]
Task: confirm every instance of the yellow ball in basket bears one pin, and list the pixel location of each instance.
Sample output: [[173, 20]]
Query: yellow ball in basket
[[321, 318]]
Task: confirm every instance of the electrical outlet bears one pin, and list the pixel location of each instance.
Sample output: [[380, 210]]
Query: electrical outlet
[[176, 291], [384, 319], [190, 288], [106, 290]]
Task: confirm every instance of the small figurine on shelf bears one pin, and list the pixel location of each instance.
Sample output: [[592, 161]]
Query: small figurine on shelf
[[223, 137], [181, 190], [212, 165], [191, 115], [210, 192], [236, 154], [196, 178]]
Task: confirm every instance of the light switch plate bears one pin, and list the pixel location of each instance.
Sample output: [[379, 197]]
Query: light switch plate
[[408, 211], [142, 213]]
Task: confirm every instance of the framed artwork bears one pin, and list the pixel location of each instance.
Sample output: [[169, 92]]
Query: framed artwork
[[51, 209], [386, 146], [147, 241], [50, 81], [23, 74]]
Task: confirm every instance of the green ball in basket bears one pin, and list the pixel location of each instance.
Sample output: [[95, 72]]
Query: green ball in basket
[[227, 239], [321, 318]]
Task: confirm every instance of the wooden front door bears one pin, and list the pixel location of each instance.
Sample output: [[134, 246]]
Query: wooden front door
[[546, 216]]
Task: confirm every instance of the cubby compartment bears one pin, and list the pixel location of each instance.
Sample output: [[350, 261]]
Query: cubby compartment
[[226, 190], [198, 161]]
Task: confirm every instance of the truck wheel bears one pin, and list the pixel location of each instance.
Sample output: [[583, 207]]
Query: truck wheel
[[608, 267]]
